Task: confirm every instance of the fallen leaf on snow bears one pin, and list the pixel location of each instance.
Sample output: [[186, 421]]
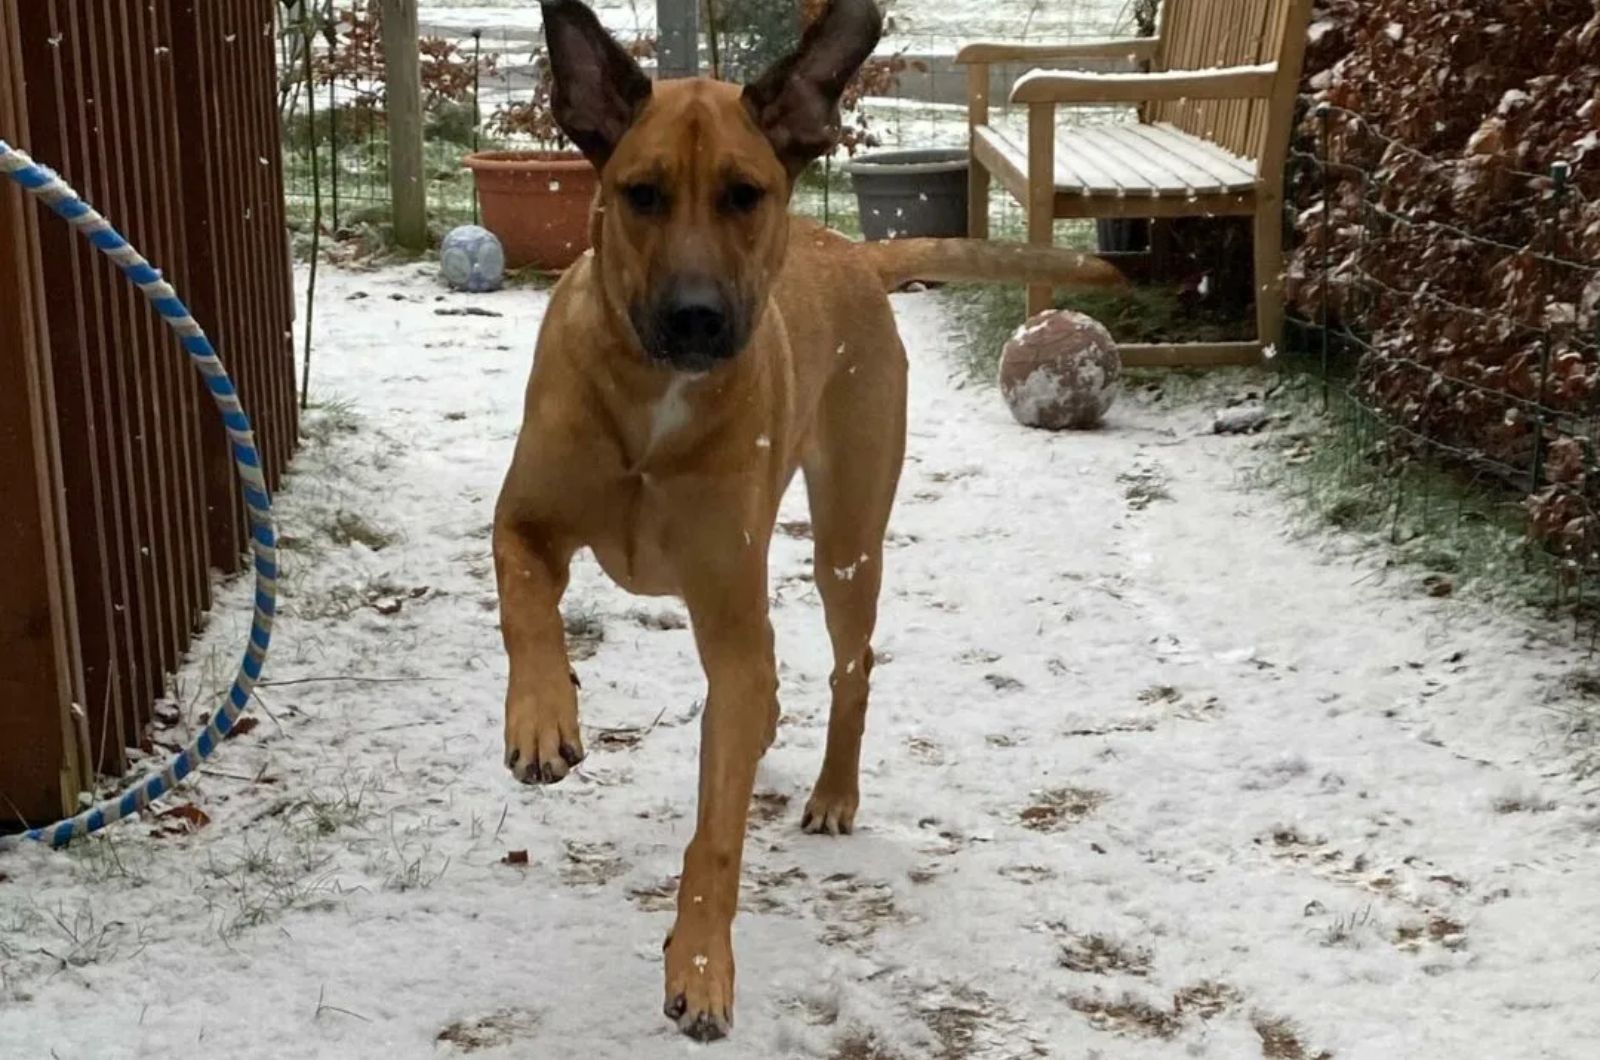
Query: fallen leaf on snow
[[182, 819]]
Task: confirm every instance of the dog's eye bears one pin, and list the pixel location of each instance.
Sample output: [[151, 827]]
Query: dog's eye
[[646, 199], [742, 197]]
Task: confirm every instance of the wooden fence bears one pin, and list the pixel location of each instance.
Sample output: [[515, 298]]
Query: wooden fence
[[117, 495]]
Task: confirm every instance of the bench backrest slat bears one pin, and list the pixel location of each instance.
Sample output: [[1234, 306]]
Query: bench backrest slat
[[1204, 34]]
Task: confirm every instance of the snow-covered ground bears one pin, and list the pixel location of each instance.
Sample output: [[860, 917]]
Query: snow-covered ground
[[1147, 775]]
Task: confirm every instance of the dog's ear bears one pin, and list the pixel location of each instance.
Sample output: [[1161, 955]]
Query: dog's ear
[[597, 89], [796, 103]]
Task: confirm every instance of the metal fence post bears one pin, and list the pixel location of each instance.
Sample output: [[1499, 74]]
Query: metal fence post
[[1559, 172], [1324, 115]]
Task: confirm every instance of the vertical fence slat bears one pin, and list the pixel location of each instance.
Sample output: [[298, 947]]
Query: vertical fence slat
[[246, 34], [182, 397], [206, 291], [283, 273], [39, 747], [121, 125], [86, 166], [276, 297], [127, 360], [147, 105], [74, 338], [277, 205], [238, 308]]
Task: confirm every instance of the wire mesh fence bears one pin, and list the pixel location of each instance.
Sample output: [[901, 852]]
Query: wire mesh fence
[[1453, 318]]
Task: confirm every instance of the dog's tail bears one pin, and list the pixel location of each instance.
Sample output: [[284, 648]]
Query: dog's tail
[[900, 261]]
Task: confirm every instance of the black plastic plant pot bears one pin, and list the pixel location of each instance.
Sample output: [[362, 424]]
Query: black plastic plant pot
[[910, 193]]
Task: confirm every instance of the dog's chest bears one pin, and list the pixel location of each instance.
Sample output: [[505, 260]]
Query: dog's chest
[[633, 548], [632, 544], [668, 414]]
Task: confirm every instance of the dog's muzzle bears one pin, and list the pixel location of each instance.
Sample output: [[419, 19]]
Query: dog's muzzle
[[691, 325]]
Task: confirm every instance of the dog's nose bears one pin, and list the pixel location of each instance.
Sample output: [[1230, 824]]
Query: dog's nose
[[692, 324], [696, 315]]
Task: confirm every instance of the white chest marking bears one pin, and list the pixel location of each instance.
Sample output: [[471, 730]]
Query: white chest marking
[[669, 414]]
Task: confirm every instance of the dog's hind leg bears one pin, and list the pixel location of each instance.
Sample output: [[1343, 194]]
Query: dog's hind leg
[[851, 477], [542, 739]]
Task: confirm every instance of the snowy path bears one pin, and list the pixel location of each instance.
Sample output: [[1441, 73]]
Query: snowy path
[[1146, 777]]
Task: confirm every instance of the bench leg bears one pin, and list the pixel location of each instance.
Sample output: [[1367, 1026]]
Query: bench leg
[[1269, 276], [1041, 230], [1041, 192]]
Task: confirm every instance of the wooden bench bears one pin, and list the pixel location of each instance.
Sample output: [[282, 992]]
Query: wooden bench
[[1215, 108]]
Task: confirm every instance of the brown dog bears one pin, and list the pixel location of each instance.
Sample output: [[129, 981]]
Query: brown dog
[[708, 348]]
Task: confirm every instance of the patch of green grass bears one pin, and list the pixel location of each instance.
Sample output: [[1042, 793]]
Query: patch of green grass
[[825, 193], [1435, 519], [345, 527], [326, 812], [84, 939], [409, 864], [451, 123], [360, 174], [1576, 701], [585, 628], [1348, 930], [255, 884], [328, 418], [102, 857], [820, 176]]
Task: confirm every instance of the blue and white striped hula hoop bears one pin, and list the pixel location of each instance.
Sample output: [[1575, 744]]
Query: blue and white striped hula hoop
[[55, 193]]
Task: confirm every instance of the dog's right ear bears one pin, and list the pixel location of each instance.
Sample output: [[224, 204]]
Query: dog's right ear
[[597, 88]]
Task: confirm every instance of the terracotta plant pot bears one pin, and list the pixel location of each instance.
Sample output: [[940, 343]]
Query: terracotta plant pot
[[536, 203]]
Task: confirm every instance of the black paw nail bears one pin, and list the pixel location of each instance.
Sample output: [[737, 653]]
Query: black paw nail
[[705, 1029], [573, 675], [569, 755], [676, 1007], [547, 773], [512, 757]]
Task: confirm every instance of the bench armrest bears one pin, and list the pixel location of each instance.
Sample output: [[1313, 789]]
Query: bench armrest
[[1138, 49], [1230, 82]]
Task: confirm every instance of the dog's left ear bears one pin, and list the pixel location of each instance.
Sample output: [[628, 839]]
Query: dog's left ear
[[796, 103], [597, 88]]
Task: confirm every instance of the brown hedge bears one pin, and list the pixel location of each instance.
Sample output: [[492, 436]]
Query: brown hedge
[[1452, 252]]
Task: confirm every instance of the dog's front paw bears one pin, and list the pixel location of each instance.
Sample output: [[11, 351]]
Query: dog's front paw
[[541, 746], [831, 811], [700, 983]]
